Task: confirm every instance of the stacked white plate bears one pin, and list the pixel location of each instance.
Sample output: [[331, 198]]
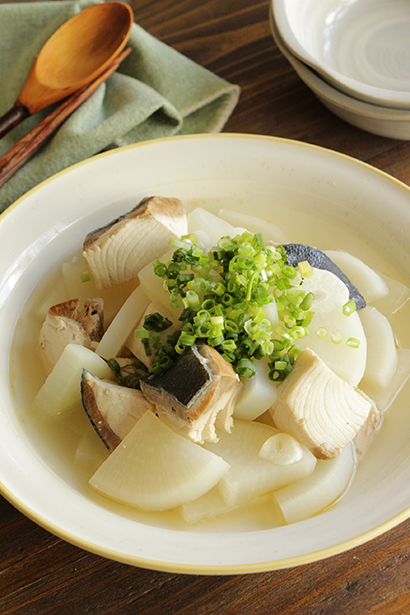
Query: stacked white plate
[[354, 55]]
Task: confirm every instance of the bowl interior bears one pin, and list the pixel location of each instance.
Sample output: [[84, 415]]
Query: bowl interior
[[316, 197], [360, 47]]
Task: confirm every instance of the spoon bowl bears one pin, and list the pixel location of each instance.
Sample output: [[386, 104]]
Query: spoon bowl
[[80, 50]]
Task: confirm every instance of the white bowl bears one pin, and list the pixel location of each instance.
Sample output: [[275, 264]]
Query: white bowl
[[361, 48], [383, 121], [316, 196]]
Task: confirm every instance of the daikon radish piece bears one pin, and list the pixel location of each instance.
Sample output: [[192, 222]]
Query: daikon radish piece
[[156, 469], [384, 397], [381, 348], [152, 284], [90, 450], [254, 225], [249, 475], [258, 393], [115, 337], [395, 300], [208, 506], [330, 330], [329, 481], [61, 391], [58, 294], [80, 285], [369, 283], [282, 448], [213, 226]]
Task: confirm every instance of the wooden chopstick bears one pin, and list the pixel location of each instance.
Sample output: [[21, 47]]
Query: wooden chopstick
[[12, 160]]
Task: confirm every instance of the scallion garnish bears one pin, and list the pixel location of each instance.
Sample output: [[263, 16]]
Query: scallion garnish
[[225, 297]]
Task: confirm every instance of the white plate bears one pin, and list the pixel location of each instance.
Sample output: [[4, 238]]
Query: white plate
[[360, 48], [316, 196], [384, 121]]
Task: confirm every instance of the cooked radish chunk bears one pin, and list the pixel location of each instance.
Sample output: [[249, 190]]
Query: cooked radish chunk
[[282, 449], [249, 475], [196, 394], [253, 224], [170, 324], [79, 283], [112, 409], [62, 389], [213, 226], [119, 250], [383, 398], [318, 408], [339, 340], [156, 469], [381, 348], [258, 393], [208, 506], [125, 322], [322, 488], [370, 284], [398, 296]]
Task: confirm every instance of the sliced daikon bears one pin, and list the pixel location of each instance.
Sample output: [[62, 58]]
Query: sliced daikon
[[282, 448], [156, 469], [76, 270], [367, 281], [115, 337], [214, 226], [57, 294], [381, 348], [257, 395], [384, 397], [398, 296], [322, 488], [62, 389], [254, 225], [331, 332], [208, 506], [152, 284], [249, 475]]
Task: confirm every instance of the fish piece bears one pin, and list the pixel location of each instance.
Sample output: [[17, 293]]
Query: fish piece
[[198, 392], [135, 344], [298, 252], [65, 324], [318, 408], [368, 431], [118, 251], [112, 409]]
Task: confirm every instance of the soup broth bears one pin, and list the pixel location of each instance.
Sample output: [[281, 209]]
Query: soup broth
[[68, 444]]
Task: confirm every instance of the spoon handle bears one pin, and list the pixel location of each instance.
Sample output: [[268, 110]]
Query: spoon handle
[[13, 117]]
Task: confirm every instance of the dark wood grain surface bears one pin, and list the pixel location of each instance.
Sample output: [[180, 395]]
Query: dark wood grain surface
[[41, 574]]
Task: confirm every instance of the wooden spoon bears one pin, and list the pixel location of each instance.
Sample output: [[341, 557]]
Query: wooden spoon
[[73, 56]]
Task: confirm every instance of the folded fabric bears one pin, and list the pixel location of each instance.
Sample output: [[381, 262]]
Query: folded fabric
[[156, 92]]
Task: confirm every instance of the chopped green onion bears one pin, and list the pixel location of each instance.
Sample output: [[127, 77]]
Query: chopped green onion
[[349, 308], [321, 332], [85, 276], [336, 337], [142, 334], [305, 269], [353, 342]]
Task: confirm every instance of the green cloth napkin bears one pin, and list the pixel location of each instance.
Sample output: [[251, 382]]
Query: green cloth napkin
[[156, 92]]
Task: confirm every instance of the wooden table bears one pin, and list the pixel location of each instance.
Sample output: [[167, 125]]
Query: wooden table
[[40, 573]]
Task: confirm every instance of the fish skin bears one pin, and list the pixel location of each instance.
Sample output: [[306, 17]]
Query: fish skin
[[196, 394], [298, 252]]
